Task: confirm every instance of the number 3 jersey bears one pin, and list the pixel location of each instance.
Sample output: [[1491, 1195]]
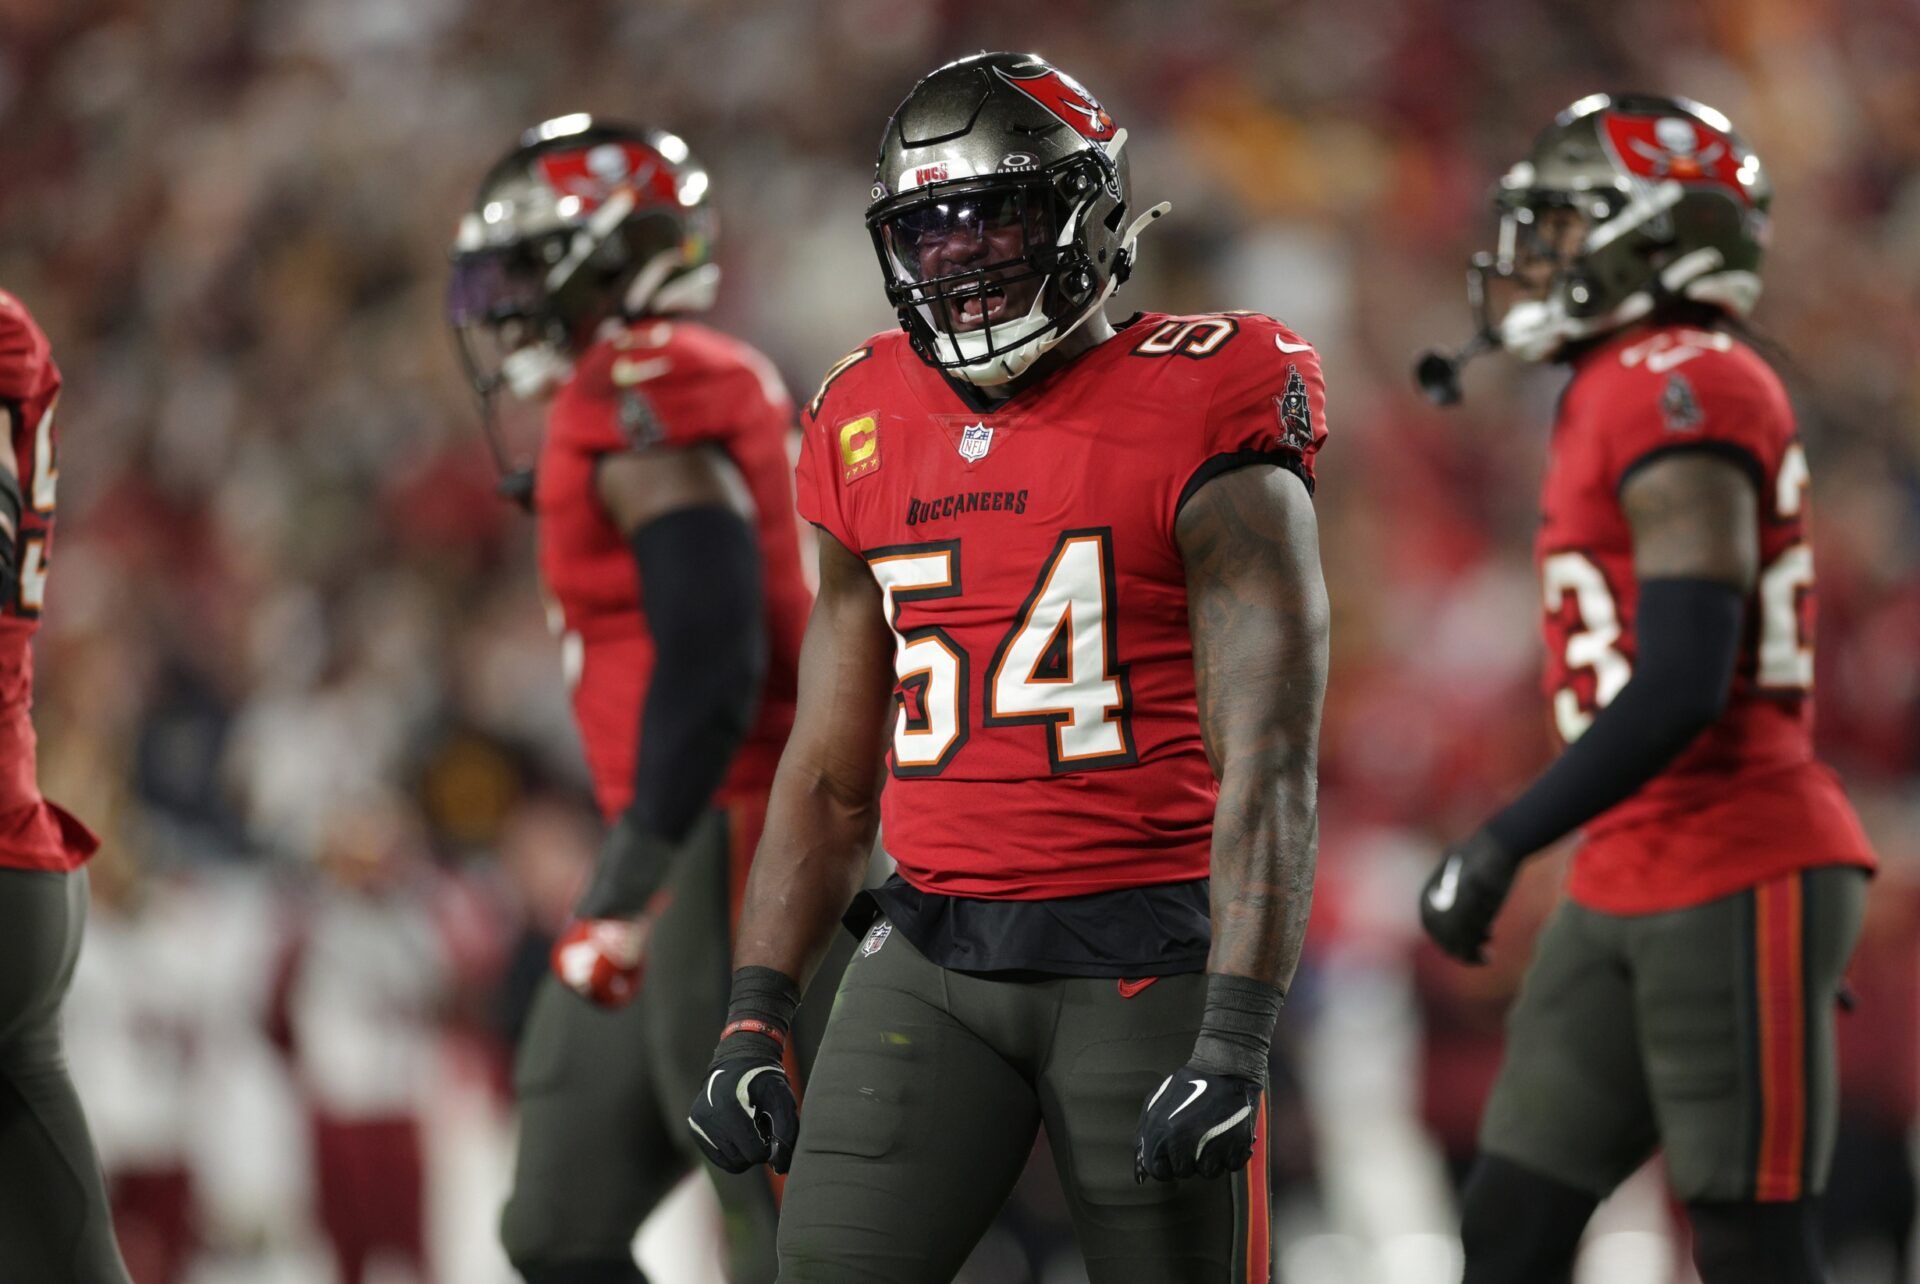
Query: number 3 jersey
[[1047, 742], [34, 833], [1747, 802], [663, 384]]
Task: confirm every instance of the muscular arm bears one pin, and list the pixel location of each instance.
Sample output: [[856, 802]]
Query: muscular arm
[[687, 517], [1258, 609], [1696, 550], [825, 806]]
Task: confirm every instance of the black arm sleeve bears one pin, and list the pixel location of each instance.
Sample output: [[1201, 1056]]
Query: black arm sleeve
[[10, 504], [1688, 640], [700, 573], [700, 579]]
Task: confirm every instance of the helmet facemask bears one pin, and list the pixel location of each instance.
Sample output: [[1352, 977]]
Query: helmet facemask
[[988, 274], [1534, 292]]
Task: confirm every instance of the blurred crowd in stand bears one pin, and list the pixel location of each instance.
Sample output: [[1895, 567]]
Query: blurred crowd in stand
[[295, 664]]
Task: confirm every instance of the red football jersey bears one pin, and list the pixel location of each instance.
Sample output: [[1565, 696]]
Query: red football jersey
[[34, 833], [1747, 802], [1047, 741], [662, 383]]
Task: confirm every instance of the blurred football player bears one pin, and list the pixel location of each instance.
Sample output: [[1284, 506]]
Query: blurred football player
[[670, 551], [54, 1220], [1683, 998], [1071, 603]]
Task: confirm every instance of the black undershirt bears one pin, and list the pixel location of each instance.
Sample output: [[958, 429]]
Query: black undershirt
[[1162, 930]]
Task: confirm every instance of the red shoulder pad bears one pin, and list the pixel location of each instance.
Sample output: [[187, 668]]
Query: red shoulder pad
[[26, 358], [1680, 388], [664, 383], [1269, 399], [840, 437]]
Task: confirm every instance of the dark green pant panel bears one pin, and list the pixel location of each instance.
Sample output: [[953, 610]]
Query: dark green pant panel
[[1637, 1031], [1571, 1097], [925, 1104], [1108, 1055], [912, 1133], [54, 1218]]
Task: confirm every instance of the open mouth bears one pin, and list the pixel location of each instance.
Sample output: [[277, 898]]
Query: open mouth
[[989, 307]]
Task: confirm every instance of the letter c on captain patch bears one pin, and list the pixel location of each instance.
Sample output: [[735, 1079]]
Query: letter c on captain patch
[[860, 447]]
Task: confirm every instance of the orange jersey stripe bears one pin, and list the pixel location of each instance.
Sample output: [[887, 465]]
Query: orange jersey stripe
[[1782, 1022]]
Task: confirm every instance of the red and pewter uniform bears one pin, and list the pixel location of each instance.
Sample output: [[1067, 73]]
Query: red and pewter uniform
[[34, 833], [663, 383], [1048, 741], [1747, 802]]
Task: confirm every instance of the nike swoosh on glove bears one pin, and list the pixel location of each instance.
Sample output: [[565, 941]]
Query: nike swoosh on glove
[[602, 959], [1464, 894], [745, 1113], [1196, 1124]]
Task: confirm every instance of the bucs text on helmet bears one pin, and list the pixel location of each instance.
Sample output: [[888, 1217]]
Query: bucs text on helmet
[[582, 221], [1000, 213], [1626, 202]]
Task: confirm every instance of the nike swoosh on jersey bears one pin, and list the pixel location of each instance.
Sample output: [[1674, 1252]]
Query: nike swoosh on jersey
[[1199, 1086], [1284, 346], [1130, 988], [1443, 895], [628, 371]]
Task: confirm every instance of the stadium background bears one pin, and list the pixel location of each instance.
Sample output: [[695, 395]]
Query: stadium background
[[295, 666]]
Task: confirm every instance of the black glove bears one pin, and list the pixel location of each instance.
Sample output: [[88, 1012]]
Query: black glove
[[745, 1113], [1197, 1124], [1464, 893]]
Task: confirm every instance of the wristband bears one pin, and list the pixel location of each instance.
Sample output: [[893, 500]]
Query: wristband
[[760, 1010], [1236, 1030]]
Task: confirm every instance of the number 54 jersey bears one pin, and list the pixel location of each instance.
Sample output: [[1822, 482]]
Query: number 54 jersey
[[1047, 741], [1747, 802]]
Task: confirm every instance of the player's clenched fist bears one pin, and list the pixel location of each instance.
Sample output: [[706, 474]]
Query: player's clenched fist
[[1197, 1123], [601, 959], [1464, 894], [745, 1112]]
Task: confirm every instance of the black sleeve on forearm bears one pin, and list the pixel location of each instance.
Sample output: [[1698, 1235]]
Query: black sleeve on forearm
[[10, 505], [700, 585], [1688, 640]]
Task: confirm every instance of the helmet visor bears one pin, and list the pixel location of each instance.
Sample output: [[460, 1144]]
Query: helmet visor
[[973, 259]]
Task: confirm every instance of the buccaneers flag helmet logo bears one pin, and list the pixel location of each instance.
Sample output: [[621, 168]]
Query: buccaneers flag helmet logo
[[1065, 97], [1657, 148], [592, 174]]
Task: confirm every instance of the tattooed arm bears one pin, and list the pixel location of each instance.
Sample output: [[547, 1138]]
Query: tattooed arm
[[1258, 610]]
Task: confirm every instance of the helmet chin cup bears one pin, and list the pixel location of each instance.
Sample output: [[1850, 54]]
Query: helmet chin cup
[[533, 372]]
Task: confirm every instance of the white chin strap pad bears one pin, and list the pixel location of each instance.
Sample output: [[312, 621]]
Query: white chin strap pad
[[535, 371], [1536, 329]]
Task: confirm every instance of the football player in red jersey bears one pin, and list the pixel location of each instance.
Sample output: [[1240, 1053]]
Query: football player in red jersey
[[1683, 998], [1071, 604], [668, 546], [54, 1220]]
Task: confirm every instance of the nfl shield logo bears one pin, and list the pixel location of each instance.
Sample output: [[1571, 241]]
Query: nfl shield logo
[[975, 439], [876, 938]]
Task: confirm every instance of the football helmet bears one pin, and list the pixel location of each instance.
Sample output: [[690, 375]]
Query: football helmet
[[1625, 202], [582, 221], [1000, 213]]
